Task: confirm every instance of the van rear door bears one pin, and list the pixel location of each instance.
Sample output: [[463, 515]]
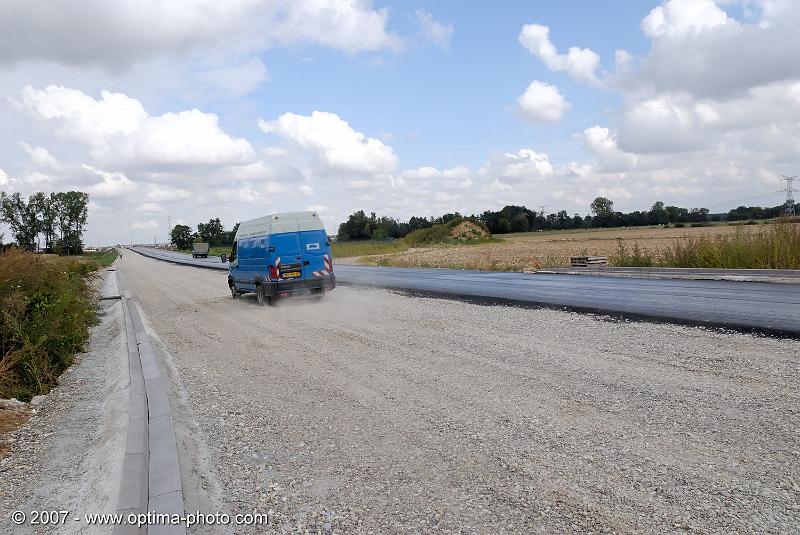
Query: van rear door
[[286, 256], [316, 258]]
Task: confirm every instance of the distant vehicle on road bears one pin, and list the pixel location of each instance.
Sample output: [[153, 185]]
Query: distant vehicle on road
[[199, 250], [281, 255]]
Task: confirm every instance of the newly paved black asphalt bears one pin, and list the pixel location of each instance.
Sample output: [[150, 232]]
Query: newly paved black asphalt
[[750, 306]]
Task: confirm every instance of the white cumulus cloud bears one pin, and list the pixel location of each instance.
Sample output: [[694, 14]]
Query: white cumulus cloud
[[40, 156], [83, 118], [244, 193], [119, 33], [333, 144], [117, 129], [602, 142], [579, 63], [351, 25], [430, 178], [699, 49], [681, 17], [542, 103], [510, 170], [112, 185], [160, 193]]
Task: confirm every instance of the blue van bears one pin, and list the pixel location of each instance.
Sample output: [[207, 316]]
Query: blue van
[[281, 255]]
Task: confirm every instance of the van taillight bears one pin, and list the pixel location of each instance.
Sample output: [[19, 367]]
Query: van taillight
[[273, 272]]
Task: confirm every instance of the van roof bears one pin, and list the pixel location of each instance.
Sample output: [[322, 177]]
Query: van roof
[[277, 223]]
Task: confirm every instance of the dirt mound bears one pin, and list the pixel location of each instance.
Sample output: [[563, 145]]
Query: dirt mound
[[467, 230]]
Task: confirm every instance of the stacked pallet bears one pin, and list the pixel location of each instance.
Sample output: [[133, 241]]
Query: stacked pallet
[[586, 261]]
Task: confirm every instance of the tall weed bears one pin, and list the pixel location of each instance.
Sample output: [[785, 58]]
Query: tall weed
[[634, 258], [774, 246], [46, 310]]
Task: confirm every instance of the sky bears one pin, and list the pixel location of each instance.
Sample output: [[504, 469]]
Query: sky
[[184, 110]]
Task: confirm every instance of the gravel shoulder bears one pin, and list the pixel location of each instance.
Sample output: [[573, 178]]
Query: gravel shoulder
[[68, 456], [375, 412]]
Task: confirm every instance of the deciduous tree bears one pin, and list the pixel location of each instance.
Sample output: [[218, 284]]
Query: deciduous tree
[[181, 236]]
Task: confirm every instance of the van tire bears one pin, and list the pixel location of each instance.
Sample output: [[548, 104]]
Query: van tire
[[263, 298], [234, 293], [260, 297]]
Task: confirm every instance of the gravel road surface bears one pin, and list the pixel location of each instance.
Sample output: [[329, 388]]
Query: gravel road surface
[[748, 306], [373, 412]]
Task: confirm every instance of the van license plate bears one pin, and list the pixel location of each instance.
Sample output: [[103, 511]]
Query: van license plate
[[290, 274]]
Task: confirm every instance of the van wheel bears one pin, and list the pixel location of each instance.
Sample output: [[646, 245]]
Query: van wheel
[[263, 298], [234, 293]]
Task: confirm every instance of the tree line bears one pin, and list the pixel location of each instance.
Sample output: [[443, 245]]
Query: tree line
[[59, 218], [213, 233], [745, 213], [360, 226]]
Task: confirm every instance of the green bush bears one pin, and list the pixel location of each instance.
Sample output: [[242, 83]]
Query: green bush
[[46, 310], [427, 236], [442, 233]]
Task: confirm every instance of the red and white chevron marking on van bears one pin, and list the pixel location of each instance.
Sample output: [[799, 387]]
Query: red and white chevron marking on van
[[328, 267]]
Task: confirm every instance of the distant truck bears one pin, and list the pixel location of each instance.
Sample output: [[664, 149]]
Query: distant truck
[[281, 255], [199, 250]]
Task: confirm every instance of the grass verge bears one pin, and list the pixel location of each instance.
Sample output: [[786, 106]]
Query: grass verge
[[83, 264], [216, 251], [101, 258], [366, 248], [46, 309]]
